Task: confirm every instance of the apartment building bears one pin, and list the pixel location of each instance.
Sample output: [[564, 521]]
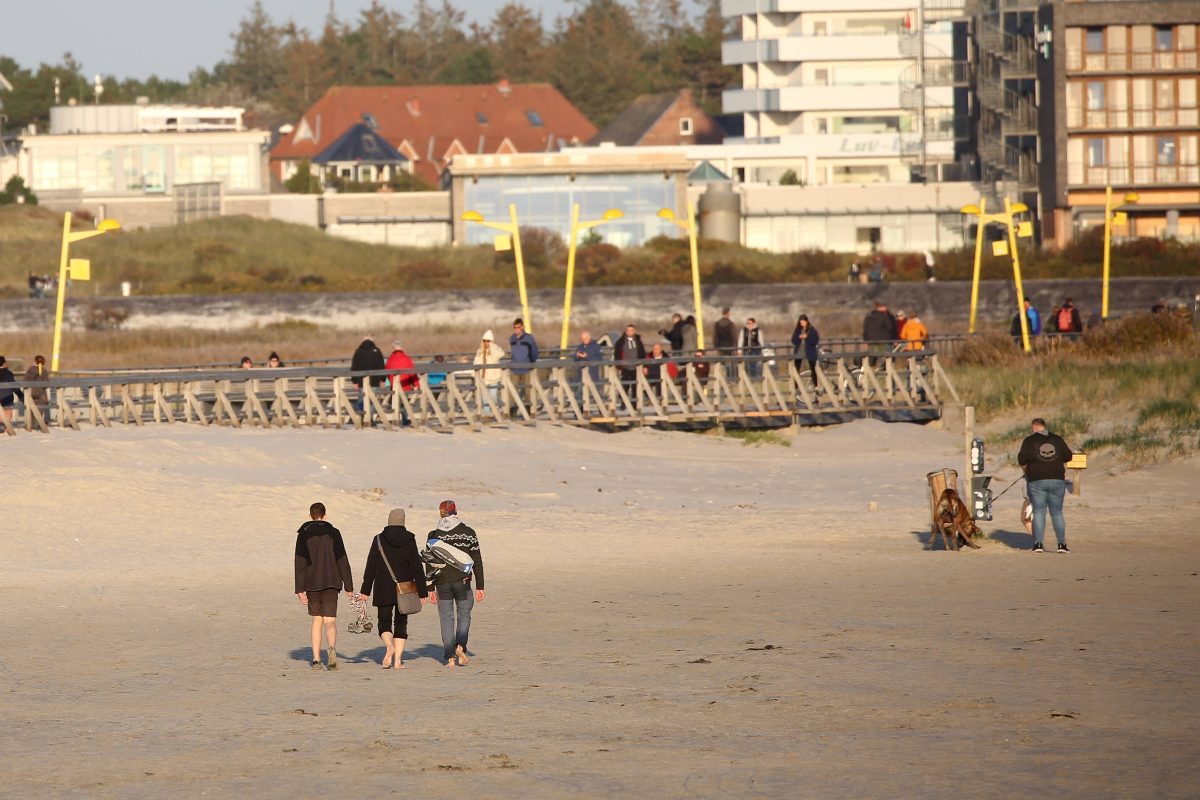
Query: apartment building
[[825, 70], [1124, 78]]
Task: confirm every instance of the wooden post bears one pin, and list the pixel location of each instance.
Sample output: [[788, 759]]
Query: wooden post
[[968, 473]]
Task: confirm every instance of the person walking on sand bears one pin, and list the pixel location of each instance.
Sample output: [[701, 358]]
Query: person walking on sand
[[322, 568], [1043, 456], [452, 588], [393, 558]]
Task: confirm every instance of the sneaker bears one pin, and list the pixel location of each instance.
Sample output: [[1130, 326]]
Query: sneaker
[[332, 659], [1062, 547], [1037, 547], [316, 665]]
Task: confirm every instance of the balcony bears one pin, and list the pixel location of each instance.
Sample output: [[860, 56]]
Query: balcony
[[1137, 118], [736, 8], [796, 49], [1137, 61], [841, 97], [1135, 175]]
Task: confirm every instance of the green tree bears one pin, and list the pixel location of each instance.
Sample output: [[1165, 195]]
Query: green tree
[[518, 46], [597, 59], [257, 61], [306, 73], [303, 181], [15, 191]]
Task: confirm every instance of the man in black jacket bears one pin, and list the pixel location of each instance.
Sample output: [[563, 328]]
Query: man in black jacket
[[628, 351], [879, 329], [367, 358], [1043, 456], [452, 588], [321, 570], [725, 335]]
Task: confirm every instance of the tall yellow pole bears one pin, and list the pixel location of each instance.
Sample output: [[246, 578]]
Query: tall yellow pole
[[695, 275], [566, 325], [516, 234], [1108, 214], [1016, 261], [979, 237], [63, 262]]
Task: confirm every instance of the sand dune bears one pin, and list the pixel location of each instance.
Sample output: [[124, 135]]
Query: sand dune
[[668, 615]]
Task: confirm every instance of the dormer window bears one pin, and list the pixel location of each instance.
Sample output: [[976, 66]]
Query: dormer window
[[685, 126], [481, 118]]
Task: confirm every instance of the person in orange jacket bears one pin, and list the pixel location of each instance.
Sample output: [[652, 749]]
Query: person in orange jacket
[[915, 333]]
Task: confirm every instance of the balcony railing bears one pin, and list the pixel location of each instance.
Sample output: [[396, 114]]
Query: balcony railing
[[1133, 175], [1138, 118], [1137, 61]]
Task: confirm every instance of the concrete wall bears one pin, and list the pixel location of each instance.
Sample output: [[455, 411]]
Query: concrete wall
[[944, 304]]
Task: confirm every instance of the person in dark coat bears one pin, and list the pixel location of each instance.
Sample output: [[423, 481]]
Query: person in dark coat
[[1069, 320], [805, 341], [1044, 456], [675, 334], [725, 336], [879, 329], [367, 358], [452, 588], [587, 350], [8, 396], [627, 351], [400, 549], [321, 569]]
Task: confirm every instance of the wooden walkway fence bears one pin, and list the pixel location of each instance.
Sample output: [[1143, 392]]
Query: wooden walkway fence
[[737, 392]]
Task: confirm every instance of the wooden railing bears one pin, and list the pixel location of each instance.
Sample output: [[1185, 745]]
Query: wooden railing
[[737, 392]]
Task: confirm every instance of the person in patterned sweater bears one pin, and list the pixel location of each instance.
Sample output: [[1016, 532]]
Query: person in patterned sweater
[[451, 588]]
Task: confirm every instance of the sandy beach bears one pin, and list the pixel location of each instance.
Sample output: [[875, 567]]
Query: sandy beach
[[667, 615]]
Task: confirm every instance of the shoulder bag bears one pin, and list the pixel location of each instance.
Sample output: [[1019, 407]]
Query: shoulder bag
[[407, 600]]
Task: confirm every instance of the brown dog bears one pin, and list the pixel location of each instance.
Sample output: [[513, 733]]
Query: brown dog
[[952, 520]]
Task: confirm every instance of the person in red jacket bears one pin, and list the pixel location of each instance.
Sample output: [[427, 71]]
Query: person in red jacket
[[408, 380]]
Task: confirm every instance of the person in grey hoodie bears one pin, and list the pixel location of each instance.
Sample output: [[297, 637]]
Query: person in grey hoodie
[[452, 587], [399, 547], [321, 570]]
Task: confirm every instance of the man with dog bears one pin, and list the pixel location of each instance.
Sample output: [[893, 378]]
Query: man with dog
[[1043, 456]]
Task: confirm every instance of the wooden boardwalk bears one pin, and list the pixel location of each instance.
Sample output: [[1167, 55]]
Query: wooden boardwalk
[[897, 386]]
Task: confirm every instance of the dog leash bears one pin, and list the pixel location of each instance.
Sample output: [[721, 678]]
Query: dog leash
[[1006, 488]]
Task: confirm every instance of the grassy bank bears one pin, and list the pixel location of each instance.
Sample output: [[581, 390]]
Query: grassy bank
[[1130, 391], [239, 254]]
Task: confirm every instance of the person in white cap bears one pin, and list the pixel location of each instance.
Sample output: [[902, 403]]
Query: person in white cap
[[490, 353]]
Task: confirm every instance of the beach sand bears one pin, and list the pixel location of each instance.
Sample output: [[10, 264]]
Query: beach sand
[[667, 615]]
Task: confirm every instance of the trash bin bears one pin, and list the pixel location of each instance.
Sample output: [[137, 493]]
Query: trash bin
[[940, 481]]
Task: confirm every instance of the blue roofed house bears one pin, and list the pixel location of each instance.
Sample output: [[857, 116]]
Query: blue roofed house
[[360, 155]]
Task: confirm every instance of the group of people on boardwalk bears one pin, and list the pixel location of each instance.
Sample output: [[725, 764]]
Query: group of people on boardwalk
[[397, 578]]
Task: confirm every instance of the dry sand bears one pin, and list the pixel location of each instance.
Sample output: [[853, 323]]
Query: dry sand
[[667, 615]]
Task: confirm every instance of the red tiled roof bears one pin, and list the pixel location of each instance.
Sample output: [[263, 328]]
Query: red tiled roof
[[434, 122]]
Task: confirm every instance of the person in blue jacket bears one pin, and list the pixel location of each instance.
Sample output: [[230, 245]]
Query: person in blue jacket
[[523, 349], [805, 340]]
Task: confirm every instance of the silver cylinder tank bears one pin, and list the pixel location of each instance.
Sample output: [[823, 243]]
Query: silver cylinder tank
[[720, 210]]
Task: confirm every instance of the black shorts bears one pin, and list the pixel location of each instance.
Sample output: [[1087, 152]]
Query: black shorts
[[323, 603]]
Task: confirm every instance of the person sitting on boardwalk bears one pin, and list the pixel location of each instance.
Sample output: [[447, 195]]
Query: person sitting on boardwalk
[[321, 568], [398, 546], [452, 587]]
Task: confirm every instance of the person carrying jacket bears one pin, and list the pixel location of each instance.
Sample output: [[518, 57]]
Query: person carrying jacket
[[322, 568], [400, 549], [451, 589], [1043, 456]]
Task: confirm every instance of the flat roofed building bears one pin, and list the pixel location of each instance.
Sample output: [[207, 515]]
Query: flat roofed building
[[543, 187], [1125, 79]]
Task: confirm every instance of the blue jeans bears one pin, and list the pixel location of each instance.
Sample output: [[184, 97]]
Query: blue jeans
[[460, 595], [1048, 495]]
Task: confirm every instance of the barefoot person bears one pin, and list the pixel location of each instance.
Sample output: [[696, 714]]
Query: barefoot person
[[321, 570], [452, 587], [396, 544]]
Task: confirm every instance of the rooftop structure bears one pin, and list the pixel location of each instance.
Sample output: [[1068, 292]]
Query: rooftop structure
[[143, 118]]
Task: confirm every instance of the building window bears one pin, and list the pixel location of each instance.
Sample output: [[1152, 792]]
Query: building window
[[481, 118], [1095, 95], [1095, 152], [535, 119], [1095, 40], [822, 125], [820, 29], [685, 126], [1167, 155], [868, 239], [1163, 40]]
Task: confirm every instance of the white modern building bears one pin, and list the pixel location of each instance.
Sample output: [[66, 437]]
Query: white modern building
[[819, 72]]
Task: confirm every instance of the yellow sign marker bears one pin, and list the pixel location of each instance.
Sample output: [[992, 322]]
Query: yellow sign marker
[[81, 269], [1025, 229], [1078, 461], [1120, 218], [503, 243], [999, 248]]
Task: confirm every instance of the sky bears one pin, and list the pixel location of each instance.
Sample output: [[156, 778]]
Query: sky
[[170, 38]]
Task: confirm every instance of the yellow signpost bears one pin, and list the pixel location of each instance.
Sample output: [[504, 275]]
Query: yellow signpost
[[77, 269], [1111, 217], [576, 227], [510, 239], [1000, 248], [690, 227]]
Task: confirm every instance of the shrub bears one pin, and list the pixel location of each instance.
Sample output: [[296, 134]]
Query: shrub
[[276, 275], [103, 317], [291, 325], [311, 281], [1135, 334], [199, 279], [207, 253]]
